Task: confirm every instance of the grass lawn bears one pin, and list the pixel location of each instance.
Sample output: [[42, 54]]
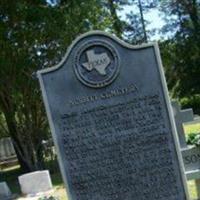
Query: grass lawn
[[58, 186], [60, 193], [193, 128], [10, 175]]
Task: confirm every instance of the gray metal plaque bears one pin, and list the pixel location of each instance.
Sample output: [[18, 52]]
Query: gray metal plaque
[[112, 123]]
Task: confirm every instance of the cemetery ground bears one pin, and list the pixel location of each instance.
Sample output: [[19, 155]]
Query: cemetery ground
[[11, 174]]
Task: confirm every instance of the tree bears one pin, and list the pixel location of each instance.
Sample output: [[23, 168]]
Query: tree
[[35, 34], [136, 31], [113, 7], [142, 20], [133, 29], [3, 128], [182, 51]]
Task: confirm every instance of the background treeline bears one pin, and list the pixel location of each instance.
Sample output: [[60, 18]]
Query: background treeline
[[35, 34]]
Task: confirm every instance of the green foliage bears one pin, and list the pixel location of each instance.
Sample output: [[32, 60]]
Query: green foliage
[[181, 53], [35, 35], [191, 102], [193, 139], [135, 29]]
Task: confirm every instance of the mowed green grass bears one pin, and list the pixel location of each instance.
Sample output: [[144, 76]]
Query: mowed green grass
[[193, 128], [10, 174]]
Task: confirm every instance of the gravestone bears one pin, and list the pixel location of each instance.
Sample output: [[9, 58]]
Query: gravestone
[[7, 153], [6, 148], [190, 154], [181, 116], [35, 182], [191, 158], [111, 121], [5, 193]]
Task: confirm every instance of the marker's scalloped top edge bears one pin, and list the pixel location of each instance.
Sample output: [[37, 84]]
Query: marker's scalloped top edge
[[93, 33]]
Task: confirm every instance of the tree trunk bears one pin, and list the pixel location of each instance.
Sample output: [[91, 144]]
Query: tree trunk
[[117, 25], [28, 159], [142, 21], [16, 143]]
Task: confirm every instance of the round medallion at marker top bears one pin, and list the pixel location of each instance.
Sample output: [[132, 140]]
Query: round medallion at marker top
[[96, 64]]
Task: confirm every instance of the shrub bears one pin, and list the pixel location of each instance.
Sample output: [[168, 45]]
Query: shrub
[[191, 102], [194, 139]]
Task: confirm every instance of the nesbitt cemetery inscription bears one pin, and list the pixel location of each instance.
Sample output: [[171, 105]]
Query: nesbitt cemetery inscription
[[111, 121]]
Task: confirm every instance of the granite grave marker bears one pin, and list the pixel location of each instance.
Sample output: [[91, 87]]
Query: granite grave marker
[[6, 148], [5, 193], [181, 116], [190, 153], [35, 182], [112, 123]]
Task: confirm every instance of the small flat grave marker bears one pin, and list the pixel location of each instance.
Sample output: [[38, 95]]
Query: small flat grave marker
[[191, 158], [6, 148], [5, 193], [35, 182], [111, 120]]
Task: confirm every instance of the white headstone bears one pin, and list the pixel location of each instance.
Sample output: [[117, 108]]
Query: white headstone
[[6, 148], [2, 150], [181, 116], [35, 182], [190, 154], [4, 191]]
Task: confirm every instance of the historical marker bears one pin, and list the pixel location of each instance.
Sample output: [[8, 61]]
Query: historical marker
[[112, 123]]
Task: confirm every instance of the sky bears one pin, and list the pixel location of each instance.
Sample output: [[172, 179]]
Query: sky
[[152, 16]]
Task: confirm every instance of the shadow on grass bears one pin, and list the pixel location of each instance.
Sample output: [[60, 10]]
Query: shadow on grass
[[57, 179]]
